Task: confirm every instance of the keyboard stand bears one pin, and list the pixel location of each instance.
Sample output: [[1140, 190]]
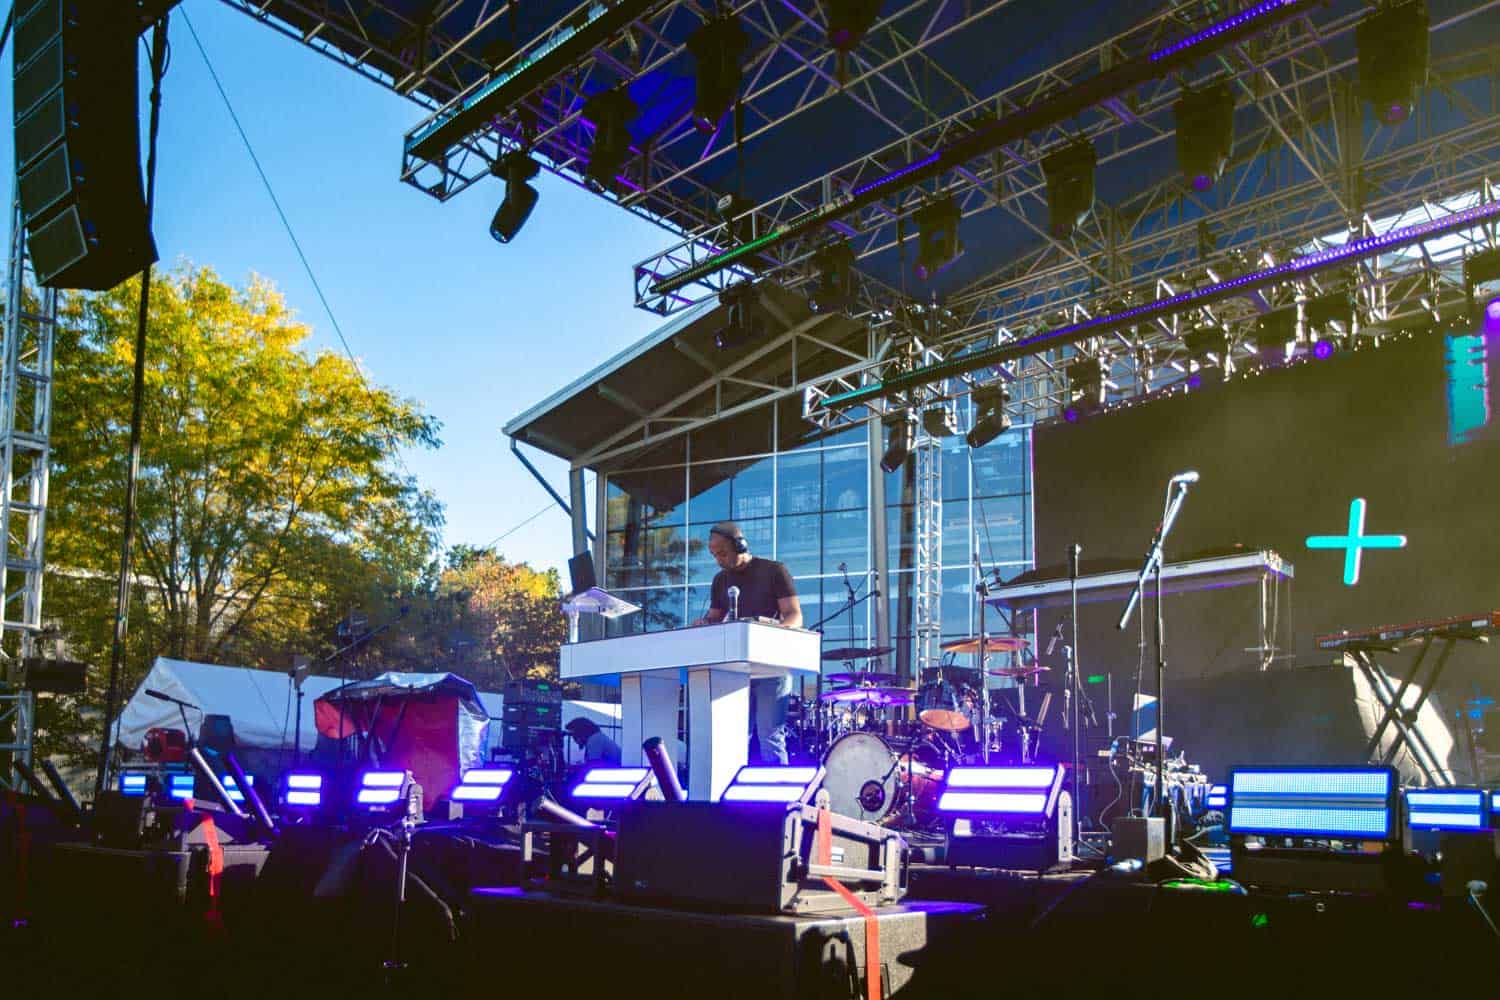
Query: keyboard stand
[[1408, 733]]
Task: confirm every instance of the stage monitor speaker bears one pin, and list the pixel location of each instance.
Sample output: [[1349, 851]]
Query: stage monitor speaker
[[77, 142]]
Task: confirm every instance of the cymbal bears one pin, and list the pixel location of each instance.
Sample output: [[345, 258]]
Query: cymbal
[[855, 652], [992, 644], [945, 720], [860, 677], [878, 696], [1017, 671]]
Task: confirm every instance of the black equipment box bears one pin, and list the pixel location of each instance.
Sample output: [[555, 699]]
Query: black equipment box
[[752, 856], [531, 691], [519, 737], [532, 715]]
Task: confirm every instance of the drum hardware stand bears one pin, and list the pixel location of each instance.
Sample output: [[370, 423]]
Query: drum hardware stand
[[850, 603], [1176, 493], [982, 592]]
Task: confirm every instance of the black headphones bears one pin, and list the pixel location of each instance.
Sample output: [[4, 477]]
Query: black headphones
[[733, 533]]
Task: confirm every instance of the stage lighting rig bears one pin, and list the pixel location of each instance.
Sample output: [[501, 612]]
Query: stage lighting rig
[[1392, 44], [1482, 282], [742, 324], [717, 47], [1325, 313], [835, 285], [900, 439], [1275, 333], [940, 421], [990, 420], [1070, 187], [609, 111], [1208, 346], [1205, 134], [938, 245], [520, 197], [1086, 381]]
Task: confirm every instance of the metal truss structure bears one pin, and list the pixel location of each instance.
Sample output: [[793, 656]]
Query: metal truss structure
[[927, 609], [25, 435]]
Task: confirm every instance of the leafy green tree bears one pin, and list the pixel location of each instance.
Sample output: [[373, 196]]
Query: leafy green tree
[[272, 497]]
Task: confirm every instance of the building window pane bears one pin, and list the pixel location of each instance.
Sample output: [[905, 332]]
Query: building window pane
[[797, 543], [846, 478], [666, 557], [957, 531], [844, 541], [1007, 540], [752, 491], [652, 498], [709, 489], [955, 468], [799, 483], [958, 603], [1001, 467]]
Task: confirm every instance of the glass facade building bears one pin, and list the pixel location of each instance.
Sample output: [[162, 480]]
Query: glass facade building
[[806, 500]]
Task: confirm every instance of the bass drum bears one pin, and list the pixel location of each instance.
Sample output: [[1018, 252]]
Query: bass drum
[[867, 780]]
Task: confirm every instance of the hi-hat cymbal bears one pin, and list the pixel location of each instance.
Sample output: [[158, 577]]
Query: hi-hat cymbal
[[878, 696], [855, 652], [1017, 671], [992, 644], [860, 677]]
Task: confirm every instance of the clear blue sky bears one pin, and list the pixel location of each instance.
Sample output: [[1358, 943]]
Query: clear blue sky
[[431, 306]]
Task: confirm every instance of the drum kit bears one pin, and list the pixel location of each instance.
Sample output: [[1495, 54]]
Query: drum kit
[[884, 765]]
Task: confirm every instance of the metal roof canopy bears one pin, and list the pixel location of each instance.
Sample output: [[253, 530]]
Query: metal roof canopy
[[646, 399]]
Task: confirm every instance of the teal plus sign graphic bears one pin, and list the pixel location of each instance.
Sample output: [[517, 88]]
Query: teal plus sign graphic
[[1355, 541]]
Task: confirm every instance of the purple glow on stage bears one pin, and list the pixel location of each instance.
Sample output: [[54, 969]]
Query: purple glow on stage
[[483, 784], [1195, 381], [1323, 350], [377, 796], [775, 775], [761, 793], [1014, 791], [1015, 803], [303, 797], [304, 781], [1202, 182], [1071, 414], [1002, 777], [133, 783], [1215, 30], [1492, 317], [603, 784], [382, 779], [773, 784]]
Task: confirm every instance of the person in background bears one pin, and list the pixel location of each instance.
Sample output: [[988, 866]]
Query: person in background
[[597, 748], [764, 589]]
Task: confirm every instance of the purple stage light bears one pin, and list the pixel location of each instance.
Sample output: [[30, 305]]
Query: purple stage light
[[1492, 316], [1396, 113], [1215, 30], [1195, 381], [1071, 414], [1001, 791], [482, 784], [896, 175], [773, 784], [612, 784], [305, 781], [302, 790], [1202, 182], [133, 783], [302, 798], [1323, 349]]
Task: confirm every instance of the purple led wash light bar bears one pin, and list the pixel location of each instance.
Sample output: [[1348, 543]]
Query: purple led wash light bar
[[1109, 84], [1037, 343]]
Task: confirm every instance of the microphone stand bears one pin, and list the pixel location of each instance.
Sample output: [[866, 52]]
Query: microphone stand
[[1176, 494], [850, 603], [982, 591], [338, 654], [1075, 690]]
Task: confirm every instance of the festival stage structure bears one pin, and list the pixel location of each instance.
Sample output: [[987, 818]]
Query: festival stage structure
[[1053, 350]]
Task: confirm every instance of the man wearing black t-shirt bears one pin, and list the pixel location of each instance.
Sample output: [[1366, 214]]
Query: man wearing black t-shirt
[[764, 590]]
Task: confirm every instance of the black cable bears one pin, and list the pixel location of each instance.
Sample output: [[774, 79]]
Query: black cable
[[137, 401], [5, 32]]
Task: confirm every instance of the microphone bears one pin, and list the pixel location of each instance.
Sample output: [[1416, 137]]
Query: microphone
[[1190, 476], [734, 603], [1056, 635], [843, 567], [159, 696]]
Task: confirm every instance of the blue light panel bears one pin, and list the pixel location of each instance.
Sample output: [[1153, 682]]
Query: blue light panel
[[180, 787], [1340, 803], [482, 784], [1218, 797], [133, 783], [603, 784], [1446, 809]]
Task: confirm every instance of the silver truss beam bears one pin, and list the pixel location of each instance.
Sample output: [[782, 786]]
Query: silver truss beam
[[25, 450], [927, 609]]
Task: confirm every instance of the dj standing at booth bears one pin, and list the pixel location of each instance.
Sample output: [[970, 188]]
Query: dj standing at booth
[[762, 589]]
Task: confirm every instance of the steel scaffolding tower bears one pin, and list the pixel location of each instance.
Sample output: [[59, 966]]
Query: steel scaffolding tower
[[927, 615], [25, 425]]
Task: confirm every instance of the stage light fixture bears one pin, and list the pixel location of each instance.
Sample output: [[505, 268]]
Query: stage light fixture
[[990, 420], [520, 197], [1070, 187], [610, 111], [742, 323], [612, 784], [230, 786], [1482, 282], [900, 438], [1336, 803], [1001, 791], [1208, 346], [1392, 43], [302, 790], [1015, 817], [938, 245], [1205, 134], [940, 421], [1446, 809], [773, 784], [1329, 312], [482, 785], [849, 20], [1086, 378], [134, 783], [180, 786], [717, 48], [388, 793], [835, 283], [1274, 334]]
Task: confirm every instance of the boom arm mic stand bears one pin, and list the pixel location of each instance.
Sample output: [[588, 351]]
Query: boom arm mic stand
[[1176, 494]]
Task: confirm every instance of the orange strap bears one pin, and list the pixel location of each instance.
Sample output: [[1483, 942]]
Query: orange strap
[[824, 856], [215, 857]]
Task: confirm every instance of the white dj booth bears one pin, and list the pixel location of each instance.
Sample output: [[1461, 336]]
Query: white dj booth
[[718, 662]]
